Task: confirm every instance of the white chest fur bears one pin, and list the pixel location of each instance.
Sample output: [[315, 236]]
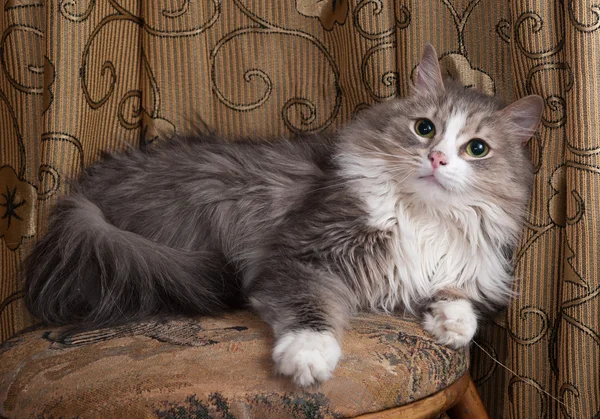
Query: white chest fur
[[431, 250], [427, 253]]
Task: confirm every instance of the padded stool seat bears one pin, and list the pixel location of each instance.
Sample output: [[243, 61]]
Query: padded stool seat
[[216, 367]]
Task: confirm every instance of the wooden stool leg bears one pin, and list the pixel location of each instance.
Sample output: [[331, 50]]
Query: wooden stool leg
[[469, 406]]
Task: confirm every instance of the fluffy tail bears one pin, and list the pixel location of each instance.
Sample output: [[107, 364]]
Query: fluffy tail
[[88, 272]]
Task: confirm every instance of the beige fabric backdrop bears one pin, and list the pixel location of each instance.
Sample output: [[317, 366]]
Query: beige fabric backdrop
[[81, 76]]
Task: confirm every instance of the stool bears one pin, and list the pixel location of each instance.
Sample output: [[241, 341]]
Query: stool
[[221, 367]]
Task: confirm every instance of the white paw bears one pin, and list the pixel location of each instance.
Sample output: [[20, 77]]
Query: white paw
[[307, 356], [453, 323]]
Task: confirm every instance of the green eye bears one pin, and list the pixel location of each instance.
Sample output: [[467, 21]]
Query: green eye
[[477, 148], [425, 128]]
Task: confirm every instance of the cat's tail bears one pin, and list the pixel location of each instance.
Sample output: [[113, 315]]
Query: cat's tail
[[89, 273]]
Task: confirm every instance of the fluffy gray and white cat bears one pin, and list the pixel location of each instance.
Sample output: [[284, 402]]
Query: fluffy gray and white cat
[[414, 206]]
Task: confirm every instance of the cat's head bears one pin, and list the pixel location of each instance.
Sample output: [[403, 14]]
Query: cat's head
[[445, 143]]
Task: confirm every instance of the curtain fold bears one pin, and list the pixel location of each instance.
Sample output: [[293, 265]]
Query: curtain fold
[[81, 77]]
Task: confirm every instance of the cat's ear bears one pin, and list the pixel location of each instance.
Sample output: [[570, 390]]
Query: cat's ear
[[524, 116], [429, 75]]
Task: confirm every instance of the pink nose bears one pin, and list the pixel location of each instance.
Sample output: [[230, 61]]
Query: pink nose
[[437, 159]]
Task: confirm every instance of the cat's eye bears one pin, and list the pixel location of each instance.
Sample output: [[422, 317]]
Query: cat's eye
[[425, 128], [477, 148]]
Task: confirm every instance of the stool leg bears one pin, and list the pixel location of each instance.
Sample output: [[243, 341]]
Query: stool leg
[[469, 406]]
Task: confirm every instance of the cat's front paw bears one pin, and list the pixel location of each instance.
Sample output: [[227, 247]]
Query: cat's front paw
[[307, 356], [452, 322]]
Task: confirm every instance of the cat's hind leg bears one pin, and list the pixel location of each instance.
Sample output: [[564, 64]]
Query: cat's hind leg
[[308, 310]]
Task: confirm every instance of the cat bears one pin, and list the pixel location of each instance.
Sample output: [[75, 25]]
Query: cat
[[414, 206]]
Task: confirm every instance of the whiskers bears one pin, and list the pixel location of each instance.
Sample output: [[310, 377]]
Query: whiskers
[[398, 167], [400, 175], [408, 157], [373, 166]]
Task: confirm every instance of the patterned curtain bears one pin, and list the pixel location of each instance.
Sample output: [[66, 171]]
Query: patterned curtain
[[81, 76]]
